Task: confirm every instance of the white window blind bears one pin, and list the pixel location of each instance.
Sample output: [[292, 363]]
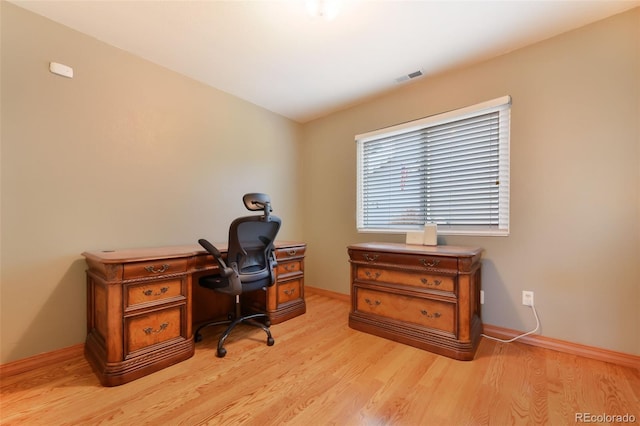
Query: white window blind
[[451, 169]]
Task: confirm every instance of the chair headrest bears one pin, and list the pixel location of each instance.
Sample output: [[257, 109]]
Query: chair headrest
[[256, 201]]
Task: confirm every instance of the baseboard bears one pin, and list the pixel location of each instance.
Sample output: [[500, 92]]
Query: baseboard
[[328, 293], [41, 360], [606, 355]]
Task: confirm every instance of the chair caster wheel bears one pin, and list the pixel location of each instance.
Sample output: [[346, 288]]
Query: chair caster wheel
[[270, 341], [221, 352], [197, 337]]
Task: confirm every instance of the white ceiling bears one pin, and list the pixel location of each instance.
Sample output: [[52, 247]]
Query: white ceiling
[[273, 54]]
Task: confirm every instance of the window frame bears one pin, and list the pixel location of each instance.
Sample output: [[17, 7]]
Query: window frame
[[500, 105]]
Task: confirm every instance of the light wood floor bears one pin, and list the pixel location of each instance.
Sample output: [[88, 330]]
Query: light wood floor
[[320, 372]]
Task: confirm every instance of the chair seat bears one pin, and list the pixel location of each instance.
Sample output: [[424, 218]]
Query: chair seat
[[213, 282], [221, 284]]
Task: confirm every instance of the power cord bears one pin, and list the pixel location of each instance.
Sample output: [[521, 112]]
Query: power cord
[[535, 314]]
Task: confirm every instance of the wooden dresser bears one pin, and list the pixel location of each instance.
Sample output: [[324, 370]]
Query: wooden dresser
[[423, 296], [142, 305]]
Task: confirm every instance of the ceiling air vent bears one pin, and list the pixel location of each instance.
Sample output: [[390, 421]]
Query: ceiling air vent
[[409, 76]]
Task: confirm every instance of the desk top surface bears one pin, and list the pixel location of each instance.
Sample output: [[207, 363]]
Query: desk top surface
[[166, 252]]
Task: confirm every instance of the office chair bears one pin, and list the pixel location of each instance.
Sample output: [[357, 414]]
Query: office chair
[[249, 265]]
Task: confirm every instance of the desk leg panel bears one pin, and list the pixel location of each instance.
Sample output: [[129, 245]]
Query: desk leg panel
[[118, 373], [287, 312]]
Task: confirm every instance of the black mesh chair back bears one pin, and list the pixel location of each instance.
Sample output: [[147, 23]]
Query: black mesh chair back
[[251, 242]]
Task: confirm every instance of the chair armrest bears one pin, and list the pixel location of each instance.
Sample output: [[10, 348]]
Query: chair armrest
[[273, 262], [224, 269]]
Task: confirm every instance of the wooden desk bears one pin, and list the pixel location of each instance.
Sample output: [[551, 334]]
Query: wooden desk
[[142, 305], [423, 296]]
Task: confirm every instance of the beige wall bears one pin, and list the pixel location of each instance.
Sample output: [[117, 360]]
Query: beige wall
[[125, 154], [575, 182]]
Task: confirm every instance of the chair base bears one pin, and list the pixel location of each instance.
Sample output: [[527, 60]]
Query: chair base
[[247, 319]]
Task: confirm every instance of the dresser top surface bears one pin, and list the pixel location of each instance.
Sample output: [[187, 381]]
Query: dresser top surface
[[440, 250]]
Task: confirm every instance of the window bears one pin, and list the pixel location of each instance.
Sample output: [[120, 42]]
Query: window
[[451, 169]]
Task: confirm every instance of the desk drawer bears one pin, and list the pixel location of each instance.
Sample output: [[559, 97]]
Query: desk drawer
[[154, 292], [142, 331], [290, 267], [289, 290], [423, 280], [425, 312], [290, 252], [154, 268]]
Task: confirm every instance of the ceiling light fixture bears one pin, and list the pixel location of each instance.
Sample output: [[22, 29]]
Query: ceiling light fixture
[[327, 9]]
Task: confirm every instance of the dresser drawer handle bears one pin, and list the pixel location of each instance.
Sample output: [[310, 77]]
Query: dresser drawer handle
[[289, 291], [371, 275], [153, 270], [370, 303], [150, 330], [292, 252], [429, 263], [370, 258], [433, 315], [290, 267], [150, 292], [426, 282]]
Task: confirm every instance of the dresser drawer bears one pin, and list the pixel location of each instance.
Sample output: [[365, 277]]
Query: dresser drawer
[[289, 290], [153, 292], [425, 312], [423, 261], [422, 280], [154, 268], [142, 331]]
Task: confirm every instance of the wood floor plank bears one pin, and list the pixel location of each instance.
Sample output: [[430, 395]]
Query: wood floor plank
[[321, 372]]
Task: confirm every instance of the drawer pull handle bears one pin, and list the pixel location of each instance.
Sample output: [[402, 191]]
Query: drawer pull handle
[[426, 282], [290, 267], [370, 258], [292, 252], [150, 330], [150, 292], [433, 315], [153, 270], [289, 291], [370, 303], [372, 275], [430, 263]]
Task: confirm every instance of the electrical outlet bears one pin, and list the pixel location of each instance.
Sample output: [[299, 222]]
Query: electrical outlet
[[482, 297], [527, 298]]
